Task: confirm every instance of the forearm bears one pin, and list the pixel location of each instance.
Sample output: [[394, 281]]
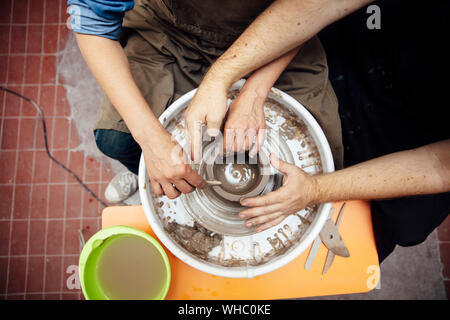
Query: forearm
[[109, 65], [283, 26], [263, 79], [419, 171]]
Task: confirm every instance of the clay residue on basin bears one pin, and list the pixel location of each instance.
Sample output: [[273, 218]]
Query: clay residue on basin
[[284, 238], [196, 240]]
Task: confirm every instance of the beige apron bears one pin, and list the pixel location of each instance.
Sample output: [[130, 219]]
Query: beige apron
[[170, 44]]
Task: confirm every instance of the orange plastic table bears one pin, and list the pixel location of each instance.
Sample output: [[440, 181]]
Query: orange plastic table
[[358, 273]]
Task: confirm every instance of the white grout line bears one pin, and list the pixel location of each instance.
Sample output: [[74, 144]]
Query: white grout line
[[2, 125], [24, 295], [32, 117], [2, 120], [15, 164], [35, 255], [83, 193], [67, 159], [49, 170], [33, 54], [45, 183], [65, 201], [48, 292], [30, 84], [49, 219], [37, 149], [32, 165], [83, 199], [100, 190], [34, 24], [89, 220], [45, 293]]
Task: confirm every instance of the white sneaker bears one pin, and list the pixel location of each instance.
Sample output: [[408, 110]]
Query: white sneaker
[[122, 186]]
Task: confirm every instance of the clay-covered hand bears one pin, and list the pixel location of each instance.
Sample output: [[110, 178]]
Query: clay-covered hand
[[167, 167], [297, 192], [208, 107], [245, 124]]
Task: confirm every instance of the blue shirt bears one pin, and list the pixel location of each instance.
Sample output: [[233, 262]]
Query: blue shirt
[[98, 17]]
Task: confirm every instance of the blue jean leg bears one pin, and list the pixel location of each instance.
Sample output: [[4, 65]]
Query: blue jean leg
[[120, 146]]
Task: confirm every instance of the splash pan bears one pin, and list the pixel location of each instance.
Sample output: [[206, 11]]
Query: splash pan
[[235, 251]]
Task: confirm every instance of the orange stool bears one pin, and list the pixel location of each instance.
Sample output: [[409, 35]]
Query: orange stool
[[358, 273]]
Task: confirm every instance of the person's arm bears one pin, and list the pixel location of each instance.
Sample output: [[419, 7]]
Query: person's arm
[[263, 78], [284, 25], [97, 25], [246, 119], [424, 170], [109, 65]]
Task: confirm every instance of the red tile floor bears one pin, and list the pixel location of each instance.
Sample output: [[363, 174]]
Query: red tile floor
[[42, 207]]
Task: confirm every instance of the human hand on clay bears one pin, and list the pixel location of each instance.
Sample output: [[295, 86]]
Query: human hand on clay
[[246, 118], [208, 107], [297, 192], [168, 168], [245, 124]]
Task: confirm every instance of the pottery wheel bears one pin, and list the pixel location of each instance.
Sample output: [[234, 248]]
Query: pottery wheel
[[205, 222]]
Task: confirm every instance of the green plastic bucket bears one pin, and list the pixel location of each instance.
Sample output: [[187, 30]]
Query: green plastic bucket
[[93, 248]]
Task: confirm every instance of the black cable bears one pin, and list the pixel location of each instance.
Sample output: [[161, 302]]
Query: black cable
[[41, 114]]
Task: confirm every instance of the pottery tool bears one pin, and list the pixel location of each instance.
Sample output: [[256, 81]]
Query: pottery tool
[[315, 247], [213, 182], [331, 254], [332, 239]]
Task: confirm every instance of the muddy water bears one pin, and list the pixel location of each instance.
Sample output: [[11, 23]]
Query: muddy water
[[130, 268]]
